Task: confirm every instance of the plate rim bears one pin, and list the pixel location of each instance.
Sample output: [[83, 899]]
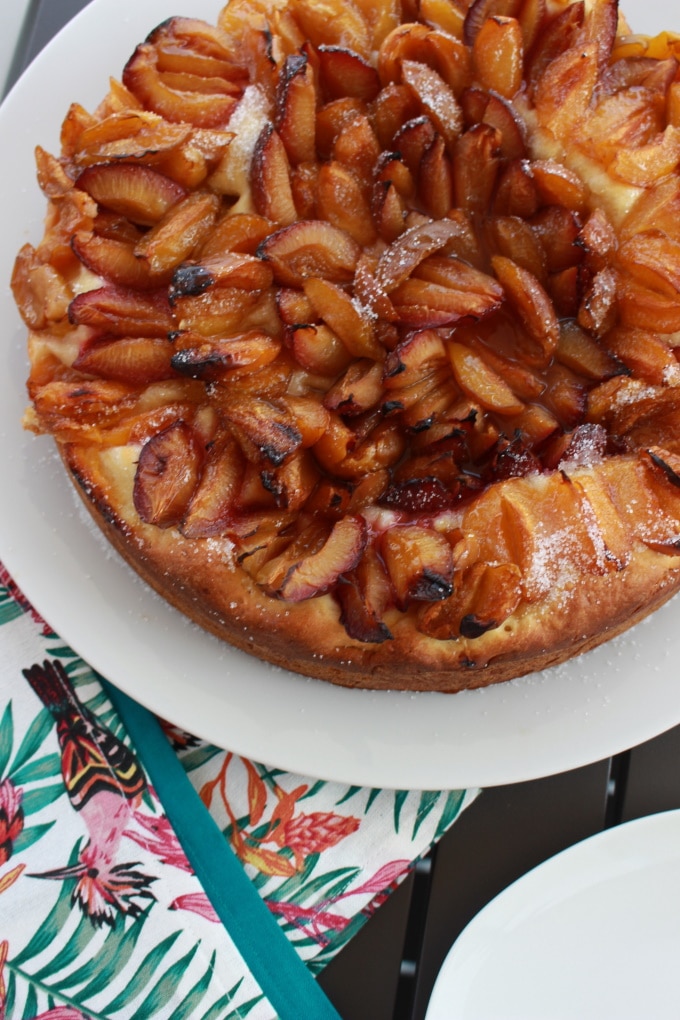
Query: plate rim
[[471, 753]]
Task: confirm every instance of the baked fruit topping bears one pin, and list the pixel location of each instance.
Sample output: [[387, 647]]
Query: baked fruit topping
[[357, 326]]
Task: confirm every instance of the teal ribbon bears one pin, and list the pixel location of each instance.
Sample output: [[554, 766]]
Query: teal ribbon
[[272, 960]]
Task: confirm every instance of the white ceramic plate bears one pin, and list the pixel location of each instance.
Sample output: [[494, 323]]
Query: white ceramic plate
[[602, 703], [593, 934]]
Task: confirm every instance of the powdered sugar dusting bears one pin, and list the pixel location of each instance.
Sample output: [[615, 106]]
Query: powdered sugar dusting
[[247, 121], [632, 391], [595, 535], [552, 561]]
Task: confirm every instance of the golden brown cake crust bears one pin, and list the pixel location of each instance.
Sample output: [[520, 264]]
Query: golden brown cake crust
[[201, 579], [359, 335]]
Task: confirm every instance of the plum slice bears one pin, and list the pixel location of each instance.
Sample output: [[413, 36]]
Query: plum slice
[[167, 474], [123, 312], [135, 360], [212, 504], [419, 563], [138, 192], [310, 248], [297, 576]]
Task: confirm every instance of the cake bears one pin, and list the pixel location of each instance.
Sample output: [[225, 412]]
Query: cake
[[356, 327]]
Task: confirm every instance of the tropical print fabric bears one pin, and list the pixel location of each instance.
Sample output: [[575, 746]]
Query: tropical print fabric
[[101, 914]]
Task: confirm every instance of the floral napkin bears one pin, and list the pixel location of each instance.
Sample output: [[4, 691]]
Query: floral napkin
[[147, 874]]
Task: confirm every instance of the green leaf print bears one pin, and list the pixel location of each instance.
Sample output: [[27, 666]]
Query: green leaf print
[[110, 960], [244, 1009], [216, 1011], [165, 987], [33, 739], [347, 795], [10, 993], [30, 835], [31, 1005], [454, 801], [55, 921], [144, 974], [63, 652], [74, 947], [6, 738], [314, 789], [428, 800], [332, 883], [46, 767], [195, 996], [9, 609], [400, 798], [373, 796], [36, 800]]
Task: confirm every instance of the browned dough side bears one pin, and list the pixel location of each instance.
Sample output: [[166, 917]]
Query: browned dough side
[[201, 579]]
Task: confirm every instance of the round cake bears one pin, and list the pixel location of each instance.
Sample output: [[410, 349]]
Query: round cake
[[357, 325]]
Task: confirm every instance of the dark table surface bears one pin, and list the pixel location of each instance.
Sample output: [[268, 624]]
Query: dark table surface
[[389, 968]]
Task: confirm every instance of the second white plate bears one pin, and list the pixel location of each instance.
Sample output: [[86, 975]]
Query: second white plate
[[593, 934]]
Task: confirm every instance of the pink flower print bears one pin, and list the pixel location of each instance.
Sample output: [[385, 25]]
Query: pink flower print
[[197, 903], [11, 818], [62, 1013], [21, 600], [313, 833], [320, 920], [159, 839]]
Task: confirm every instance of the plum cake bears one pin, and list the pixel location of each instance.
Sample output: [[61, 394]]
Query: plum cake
[[356, 325]]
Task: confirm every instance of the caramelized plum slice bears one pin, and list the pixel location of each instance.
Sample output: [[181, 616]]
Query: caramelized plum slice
[[343, 315], [404, 255], [67, 409], [270, 179], [296, 109], [414, 359], [310, 248], [167, 474], [358, 390], [318, 349], [187, 98], [480, 382], [485, 597], [646, 497], [210, 359], [135, 360], [266, 432], [344, 73], [123, 312], [645, 354], [419, 562], [178, 232], [443, 290], [480, 10], [481, 107], [115, 261], [583, 354], [498, 55], [229, 270], [341, 199], [212, 504], [138, 192], [533, 306], [437, 98], [298, 574], [363, 594]]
